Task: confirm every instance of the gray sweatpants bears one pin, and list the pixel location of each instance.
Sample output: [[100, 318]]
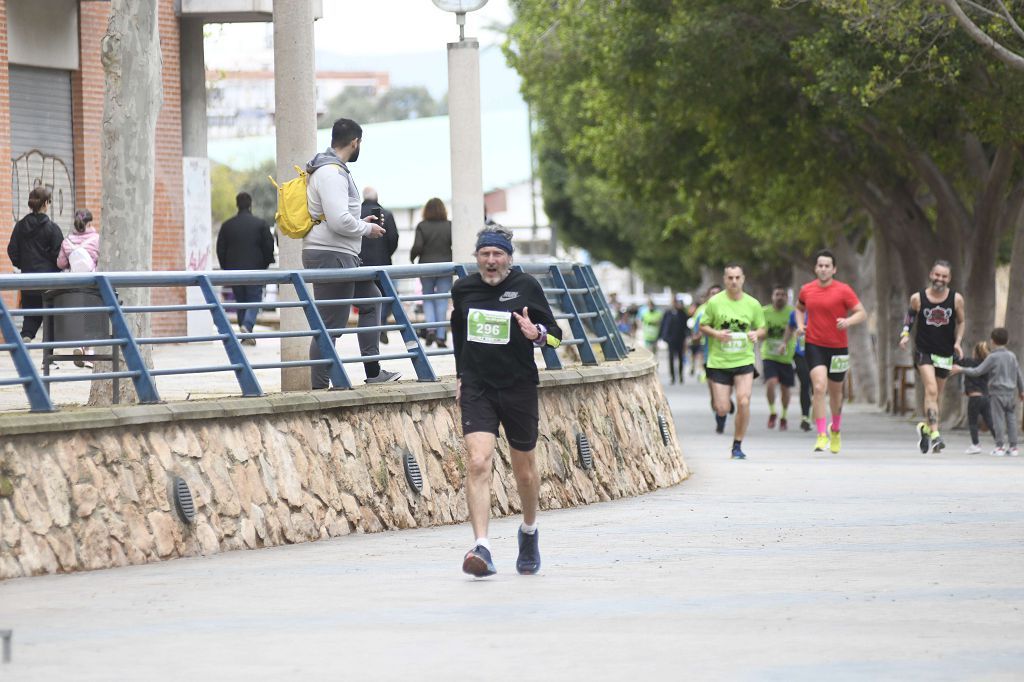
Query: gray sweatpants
[[336, 316], [1004, 418]]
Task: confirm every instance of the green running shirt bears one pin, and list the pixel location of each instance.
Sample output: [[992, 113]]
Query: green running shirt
[[739, 317], [776, 322]]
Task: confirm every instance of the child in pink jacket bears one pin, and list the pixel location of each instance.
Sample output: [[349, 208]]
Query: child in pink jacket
[[80, 252]]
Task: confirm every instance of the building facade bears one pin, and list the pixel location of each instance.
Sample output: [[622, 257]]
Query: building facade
[[51, 115]]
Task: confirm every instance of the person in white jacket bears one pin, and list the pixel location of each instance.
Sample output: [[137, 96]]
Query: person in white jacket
[[335, 243]]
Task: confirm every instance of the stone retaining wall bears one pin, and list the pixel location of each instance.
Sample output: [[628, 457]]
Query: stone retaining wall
[[79, 492]]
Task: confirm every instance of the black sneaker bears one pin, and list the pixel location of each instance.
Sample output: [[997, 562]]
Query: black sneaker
[[528, 562], [737, 453], [477, 562], [922, 437], [937, 444], [805, 424]]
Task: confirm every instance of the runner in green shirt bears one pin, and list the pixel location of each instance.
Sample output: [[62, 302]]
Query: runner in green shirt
[[777, 353], [733, 322]]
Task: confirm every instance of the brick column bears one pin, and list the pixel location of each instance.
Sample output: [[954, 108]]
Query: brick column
[[168, 209], [87, 86]]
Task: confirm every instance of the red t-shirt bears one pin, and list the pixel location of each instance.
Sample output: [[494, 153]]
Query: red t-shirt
[[824, 305]]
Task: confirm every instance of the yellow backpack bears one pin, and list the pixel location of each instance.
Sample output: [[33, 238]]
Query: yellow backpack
[[292, 217]]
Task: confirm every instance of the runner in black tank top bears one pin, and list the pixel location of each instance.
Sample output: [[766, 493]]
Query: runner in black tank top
[[938, 312], [935, 332]]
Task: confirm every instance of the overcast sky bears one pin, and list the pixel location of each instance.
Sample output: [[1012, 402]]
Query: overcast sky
[[365, 27]]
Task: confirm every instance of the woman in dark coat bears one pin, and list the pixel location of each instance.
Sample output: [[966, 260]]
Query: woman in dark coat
[[433, 244], [34, 247]]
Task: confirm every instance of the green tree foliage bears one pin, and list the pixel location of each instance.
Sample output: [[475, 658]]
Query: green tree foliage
[[752, 131], [226, 183], [396, 104]]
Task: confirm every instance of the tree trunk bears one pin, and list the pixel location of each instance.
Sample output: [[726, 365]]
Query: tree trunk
[[132, 65], [1015, 302], [858, 272]]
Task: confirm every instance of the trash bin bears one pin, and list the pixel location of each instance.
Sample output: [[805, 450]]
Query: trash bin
[[77, 327]]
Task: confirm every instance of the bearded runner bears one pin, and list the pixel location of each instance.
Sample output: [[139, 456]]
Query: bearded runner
[[936, 315]]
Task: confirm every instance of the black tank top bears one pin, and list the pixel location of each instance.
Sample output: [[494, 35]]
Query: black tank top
[[936, 325]]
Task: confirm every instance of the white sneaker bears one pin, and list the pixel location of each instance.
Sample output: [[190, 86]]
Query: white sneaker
[[972, 450], [1012, 452], [998, 452]]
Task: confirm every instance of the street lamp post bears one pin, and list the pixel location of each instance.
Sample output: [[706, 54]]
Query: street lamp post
[[464, 126]]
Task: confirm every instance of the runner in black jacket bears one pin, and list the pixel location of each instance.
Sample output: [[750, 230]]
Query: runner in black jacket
[[499, 318]]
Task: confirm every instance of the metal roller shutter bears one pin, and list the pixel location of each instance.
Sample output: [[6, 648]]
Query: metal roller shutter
[[42, 145]]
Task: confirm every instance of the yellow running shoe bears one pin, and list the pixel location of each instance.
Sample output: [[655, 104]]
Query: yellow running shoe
[[821, 443], [834, 442]]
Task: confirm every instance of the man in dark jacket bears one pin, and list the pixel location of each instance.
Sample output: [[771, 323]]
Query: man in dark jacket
[[245, 243], [674, 332], [379, 251]]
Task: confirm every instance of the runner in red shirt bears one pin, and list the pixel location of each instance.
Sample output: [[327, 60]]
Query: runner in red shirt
[[831, 307]]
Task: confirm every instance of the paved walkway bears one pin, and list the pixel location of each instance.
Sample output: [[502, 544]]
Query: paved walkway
[[880, 563]]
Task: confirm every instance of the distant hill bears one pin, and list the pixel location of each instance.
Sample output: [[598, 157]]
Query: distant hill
[[499, 84]]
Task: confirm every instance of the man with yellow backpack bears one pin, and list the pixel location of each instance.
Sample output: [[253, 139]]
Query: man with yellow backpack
[[332, 234]]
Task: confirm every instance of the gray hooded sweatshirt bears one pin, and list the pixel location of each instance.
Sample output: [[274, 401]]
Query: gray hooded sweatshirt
[[332, 193], [1002, 369]]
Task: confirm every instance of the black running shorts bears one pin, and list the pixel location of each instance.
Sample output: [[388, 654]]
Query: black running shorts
[[726, 376], [515, 408], [781, 371], [818, 356], [926, 359]]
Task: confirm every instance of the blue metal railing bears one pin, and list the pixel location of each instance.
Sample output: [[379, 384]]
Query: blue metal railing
[[572, 289]]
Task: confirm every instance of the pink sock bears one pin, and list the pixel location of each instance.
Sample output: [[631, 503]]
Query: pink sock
[[837, 419], [821, 424]]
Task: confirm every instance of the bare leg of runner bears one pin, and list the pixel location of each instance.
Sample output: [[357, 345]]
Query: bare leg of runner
[[480, 447], [524, 468]]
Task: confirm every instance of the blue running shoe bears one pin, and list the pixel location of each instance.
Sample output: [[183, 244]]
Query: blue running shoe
[[528, 562], [737, 453], [478, 562]]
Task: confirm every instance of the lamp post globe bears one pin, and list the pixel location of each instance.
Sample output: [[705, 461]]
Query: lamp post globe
[[460, 6]]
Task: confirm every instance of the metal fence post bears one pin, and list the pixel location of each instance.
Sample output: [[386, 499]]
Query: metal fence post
[[592, 282], [247, 380], [145, 388], [587, 355], [424, 372], [6, 635], [608, 347], [38, 397], [339, 378]]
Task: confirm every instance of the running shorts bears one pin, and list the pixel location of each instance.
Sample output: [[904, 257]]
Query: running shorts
[[726, 376], [926, 359], [818, 356], [515, 408], [781, 371]]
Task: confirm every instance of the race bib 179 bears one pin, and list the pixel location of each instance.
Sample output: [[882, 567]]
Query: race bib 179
[[737, 343], [488, 326]]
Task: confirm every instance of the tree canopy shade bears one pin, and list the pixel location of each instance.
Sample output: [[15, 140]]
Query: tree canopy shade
[[752, 130]]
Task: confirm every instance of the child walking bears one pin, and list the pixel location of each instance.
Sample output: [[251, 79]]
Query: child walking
[[976, 389], [1005, 387], [80, 252]]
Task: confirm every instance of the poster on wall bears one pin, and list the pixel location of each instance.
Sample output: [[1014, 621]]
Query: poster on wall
[[198, 237]]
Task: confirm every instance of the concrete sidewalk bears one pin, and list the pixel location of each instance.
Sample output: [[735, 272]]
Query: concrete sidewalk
[[879, 563]]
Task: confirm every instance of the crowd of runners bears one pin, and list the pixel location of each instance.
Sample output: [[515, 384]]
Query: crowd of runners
[[807, 342], [500, 317]]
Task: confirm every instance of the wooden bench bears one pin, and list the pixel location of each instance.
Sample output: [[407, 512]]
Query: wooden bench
[[903, 379]]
